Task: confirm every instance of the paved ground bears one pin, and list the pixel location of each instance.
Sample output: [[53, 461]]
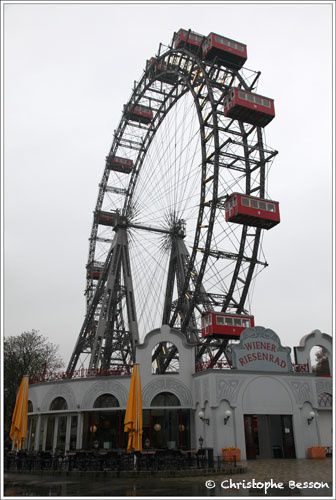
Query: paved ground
[[261, 471]]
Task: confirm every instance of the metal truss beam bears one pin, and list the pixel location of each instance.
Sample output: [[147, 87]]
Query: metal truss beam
[[120, 268]]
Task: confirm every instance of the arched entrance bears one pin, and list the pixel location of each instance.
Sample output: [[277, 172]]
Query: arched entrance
[[104, 425], [268, 425], [166, 424]]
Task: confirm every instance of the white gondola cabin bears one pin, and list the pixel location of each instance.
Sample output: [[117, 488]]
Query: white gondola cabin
[[249, 107], [223, 324], [118, 164], [232, 53], [252, 211]]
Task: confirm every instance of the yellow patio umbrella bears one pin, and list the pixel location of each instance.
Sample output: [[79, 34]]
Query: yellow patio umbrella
[[19, 427], [133, 416]]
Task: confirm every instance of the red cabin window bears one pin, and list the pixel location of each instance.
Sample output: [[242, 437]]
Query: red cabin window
[[252, 211], [249, 107], [225, 324], [232, 53]]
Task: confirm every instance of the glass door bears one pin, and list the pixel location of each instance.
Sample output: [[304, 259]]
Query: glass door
[[288, 443], [251, 436]]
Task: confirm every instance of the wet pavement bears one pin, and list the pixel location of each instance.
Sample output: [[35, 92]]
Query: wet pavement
[[263, 478]]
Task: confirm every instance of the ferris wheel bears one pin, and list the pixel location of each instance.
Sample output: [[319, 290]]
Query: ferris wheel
[[177, 229]]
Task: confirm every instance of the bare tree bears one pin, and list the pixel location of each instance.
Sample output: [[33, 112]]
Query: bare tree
[[27, 354]]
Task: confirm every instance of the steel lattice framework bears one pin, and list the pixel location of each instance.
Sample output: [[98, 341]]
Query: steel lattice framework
[[171, 256]]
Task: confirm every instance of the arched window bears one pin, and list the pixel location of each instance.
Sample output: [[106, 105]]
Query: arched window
[[106, 401], [325, 400], [165, 399], [30, 406], [165, 358], [58, 404]]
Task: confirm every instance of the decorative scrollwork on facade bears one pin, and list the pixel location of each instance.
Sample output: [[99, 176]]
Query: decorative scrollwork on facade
[[59, 390], [104, 387], [302, 392], [166, 384], [227, 389]]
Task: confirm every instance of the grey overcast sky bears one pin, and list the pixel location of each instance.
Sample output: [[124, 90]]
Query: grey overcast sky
[[68, 70]]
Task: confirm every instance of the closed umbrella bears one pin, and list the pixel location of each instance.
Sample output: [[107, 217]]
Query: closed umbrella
[[133, 416], [19, 427]]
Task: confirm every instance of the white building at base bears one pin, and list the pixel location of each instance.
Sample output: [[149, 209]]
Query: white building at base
[[264, 405]]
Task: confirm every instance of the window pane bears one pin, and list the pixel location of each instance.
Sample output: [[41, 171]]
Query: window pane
[[165, 399], [32, 433], [254, 203], [50, 433], [262, 205], [73, 432], [245, 201], [58, 404], [270, 207], [219, 320], [237, 321], [61, 431], [106, 401], [228, 321]]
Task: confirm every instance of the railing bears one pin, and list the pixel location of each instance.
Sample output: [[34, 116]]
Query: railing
[[202, 366], [117, 371], [224, 365], [301, 368], [155, 460], [121, 370]]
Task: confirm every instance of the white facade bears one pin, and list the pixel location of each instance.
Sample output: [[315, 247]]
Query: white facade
[[279, 403]]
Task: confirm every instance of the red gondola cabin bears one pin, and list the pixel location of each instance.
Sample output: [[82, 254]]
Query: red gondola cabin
[[107, 218], [225, 325], [232, 53], [94, 270], [162, 71], [118, 164], [139, 113], [249, 107], [252, 211], [187, 39]]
